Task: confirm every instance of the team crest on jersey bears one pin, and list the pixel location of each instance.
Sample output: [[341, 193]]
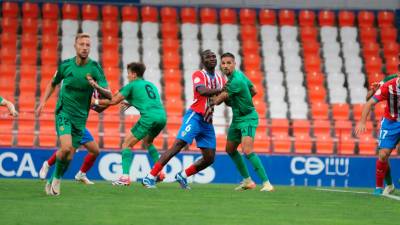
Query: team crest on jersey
[[196, 80], [183, 133], [61, 128]]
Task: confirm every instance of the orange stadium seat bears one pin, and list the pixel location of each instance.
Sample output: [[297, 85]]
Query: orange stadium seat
[[9, 40], [8, 55], [170, 45], [392, 64], [109, 59], [321, 127], [300, 127], [375, 77], [343, 128], [357, 109], [279, 126], [50, 41], [346, 145], [373, 64], [27, 83], [370, 49], [248, 32], [28, 56], [261, 107], [306, 18], [303, 144], [385, 19], [311, 47], [326, 18], [168, 15], [90, 12], [111, 131], [47, 134], [308, 34], [171, 60], [367, 144], [391, 49], [252, 62], [27, 101], [227, 16], [129, 13], [287, 17], [49, 57], [47, 71], [92, 124], [112, 74], [388, 34], [6, 128], [30, 25], [50, 11], [319, 110], [110, 43], [173, 89], [9, 25], [312, 63], [110, 28], [366, 19], [256, 77], [221, 143], [316, 93], [250, 47], [208, 15], [70, 11], [8, 71], [247, 16], [10, 9], [262, 143], [149, 14], [346, 18], [49, 27], [109, 13], [169, 30], [267, 17], [379, 111], [30, 10], [324, 144], [315, 79], [172, 76], [368, 34], [281, 143], [340, 111], [188, 15], [173, 106], [26, 129]]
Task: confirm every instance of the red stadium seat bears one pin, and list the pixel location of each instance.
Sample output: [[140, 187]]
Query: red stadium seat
[[110, 28], [311, 48], [110, 43], [373, 64], [227, 16], [29, 25], [26, 128], [188, 15], [326, 18], [312, 63], [111, 127], [248, 32], [171, 60], [281, 143], [50, 41], [8, 71], [90, 12], [250, 47], [367, 144], [9, 40], [49, 57], [27, 83], [368, 34], [346, 145], [70, 11], [173, 89], [9, 25], [308, 34], [385, 19], [287, 17], [267, 17], [357, 109], [303, 144], [172, 76], [262, 144], [170, 45], [30, 10], [149, 14], [49, 27], [388, 34], [370, 49], [168, 15], [306, 18], [375, 77], [109, 59], [346, 18], [391, 49], [379, 111], [252, 62], [392, 64], [319, 110], [10, 9], [315, 78], [321, 128], [324, 145], [8, 55], [47, 71], [50, 11], [47, 133], [340, 111], [279, 126], [208, 15], [343, 128], [169, 30], [29, 40], [255, 76], [93, 123], [129, 13], [247, 16], [109, 13], [300, 127], [366, 19]]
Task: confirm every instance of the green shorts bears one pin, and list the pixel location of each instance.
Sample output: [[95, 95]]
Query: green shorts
[[74, 127], [151, 127], [237, 130]]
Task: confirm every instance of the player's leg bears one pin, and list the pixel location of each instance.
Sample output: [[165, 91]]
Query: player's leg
[[382, 166], [152, 150], [46, 166], [93, 151]]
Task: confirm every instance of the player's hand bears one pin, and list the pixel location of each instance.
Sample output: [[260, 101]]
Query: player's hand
[[39, 109], [91, 81], [211, 101], [14, 113], [374, 86], [360, 128], [125, 106]]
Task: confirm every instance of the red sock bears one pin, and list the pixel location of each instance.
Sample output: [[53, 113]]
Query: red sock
[[52, 159], [190, 170], [381, 169], [88, 162], [156, 169]]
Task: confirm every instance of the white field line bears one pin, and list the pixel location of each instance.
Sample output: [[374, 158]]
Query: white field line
[[394, 197]]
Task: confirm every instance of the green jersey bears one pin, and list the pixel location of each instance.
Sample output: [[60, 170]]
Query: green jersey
[[1, 99], [240, 99], [76, 92], [143, 95]]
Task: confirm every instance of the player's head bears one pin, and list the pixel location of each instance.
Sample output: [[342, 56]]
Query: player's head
[[228, 63], [135, 70], [82, 45], [208, 59]]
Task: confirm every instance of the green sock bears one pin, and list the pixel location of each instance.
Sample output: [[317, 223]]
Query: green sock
[[239, 163], [258, 166], [388, 177], [154, 156], [126, 160], [66, 165], [59, 170]]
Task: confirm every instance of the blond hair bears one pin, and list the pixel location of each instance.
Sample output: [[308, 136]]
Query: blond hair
[[82, 35]]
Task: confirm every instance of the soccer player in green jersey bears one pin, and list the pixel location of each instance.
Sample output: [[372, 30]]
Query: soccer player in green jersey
[[80, 76], [9, 105], [143, 95], [238, 94]]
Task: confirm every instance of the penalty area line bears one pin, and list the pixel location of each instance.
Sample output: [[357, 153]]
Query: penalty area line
[[394, 197]]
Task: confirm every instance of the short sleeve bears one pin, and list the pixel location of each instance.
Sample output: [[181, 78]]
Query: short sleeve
[[58, 77], [101, 78], [382, 93], [126, 90], [233, 87], [198, 79]]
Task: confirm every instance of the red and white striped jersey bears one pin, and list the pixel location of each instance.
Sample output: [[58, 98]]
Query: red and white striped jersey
[[202, 78], [390, 91]]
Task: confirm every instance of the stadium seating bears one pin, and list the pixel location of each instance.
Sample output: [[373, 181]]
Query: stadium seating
[[311, 68]]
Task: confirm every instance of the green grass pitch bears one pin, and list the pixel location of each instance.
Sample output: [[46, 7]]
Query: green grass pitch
[[24, 202]]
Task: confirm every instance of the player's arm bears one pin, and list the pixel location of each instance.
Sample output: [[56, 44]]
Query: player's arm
[[253, 91], [115, 100], [372, 89], [10, 107], [208, 92], [361, 126], [222, 97], [50, 88], [106, 93]]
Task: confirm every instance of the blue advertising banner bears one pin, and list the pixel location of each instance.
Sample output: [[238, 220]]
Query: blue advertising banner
[[299, 170]]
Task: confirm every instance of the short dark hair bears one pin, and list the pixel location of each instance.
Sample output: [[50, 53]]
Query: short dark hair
[[203, 53], [137, 67], [227, 54]]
